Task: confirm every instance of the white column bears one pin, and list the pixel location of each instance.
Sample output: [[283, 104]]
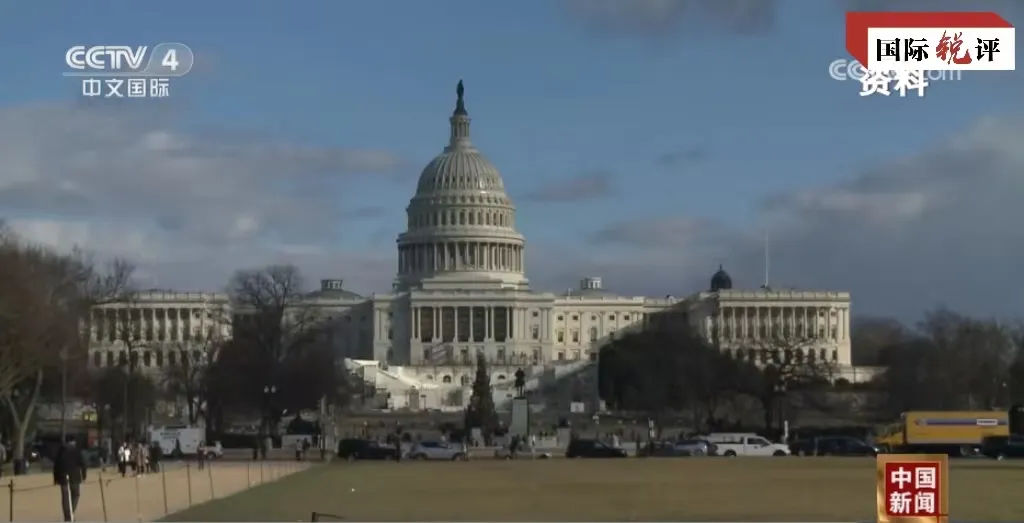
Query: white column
[[508, 322], [471, 322]]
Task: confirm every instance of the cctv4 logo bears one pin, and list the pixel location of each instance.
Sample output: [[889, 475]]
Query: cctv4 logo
[[116, 58]]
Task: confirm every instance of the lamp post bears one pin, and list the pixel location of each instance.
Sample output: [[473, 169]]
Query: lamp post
[[268, 393], [780, 403], [125, 410]]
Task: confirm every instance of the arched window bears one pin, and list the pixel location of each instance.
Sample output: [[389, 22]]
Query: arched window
[[501, 377], [446, 379]]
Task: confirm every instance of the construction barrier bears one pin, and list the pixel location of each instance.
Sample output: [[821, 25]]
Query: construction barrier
[[107, 496]]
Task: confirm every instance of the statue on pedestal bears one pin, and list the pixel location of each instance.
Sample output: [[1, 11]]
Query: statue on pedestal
[[520, 383]]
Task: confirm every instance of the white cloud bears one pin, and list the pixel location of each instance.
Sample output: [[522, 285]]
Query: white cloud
[[939, 227], [127, 183]]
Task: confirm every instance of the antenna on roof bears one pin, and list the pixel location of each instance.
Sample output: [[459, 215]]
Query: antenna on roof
[[767, 259]]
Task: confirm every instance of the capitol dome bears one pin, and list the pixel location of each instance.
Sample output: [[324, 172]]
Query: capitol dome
[[461, 224]]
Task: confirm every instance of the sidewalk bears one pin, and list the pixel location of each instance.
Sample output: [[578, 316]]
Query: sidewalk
[[109, 497]]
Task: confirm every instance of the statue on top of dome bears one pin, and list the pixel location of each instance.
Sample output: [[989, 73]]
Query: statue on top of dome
[[460, 104]]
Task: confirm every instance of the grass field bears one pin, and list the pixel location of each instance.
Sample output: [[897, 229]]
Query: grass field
[[715, 489]]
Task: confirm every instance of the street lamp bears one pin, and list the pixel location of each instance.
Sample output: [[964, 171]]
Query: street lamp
[[131, 361], [268, 392], [265, 442], [780, 397]]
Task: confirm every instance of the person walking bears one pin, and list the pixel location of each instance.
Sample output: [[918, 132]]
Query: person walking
[[69, 471], [124, 456], [201, 455], [139, 454], [156, 455]]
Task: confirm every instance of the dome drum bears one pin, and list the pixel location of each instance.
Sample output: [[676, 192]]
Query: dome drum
[[460, 256]]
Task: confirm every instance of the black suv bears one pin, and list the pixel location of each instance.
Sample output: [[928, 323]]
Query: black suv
[[1002, 447], [832, 446], [353, 449], [592, 448]]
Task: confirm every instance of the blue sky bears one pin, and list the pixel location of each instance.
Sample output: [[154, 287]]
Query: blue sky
[[694, 118]]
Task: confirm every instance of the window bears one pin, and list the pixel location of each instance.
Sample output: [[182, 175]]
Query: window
[[612, 317], [822, 354], [575, 354], [536, 355], [835, 355], [172, 358], [501, 377], [391, 333], [560, 317], [835, 333], [593, 317], [593, 334], [561, 355], [593, 356], [575, 336], [560, 336], [575, 317], [97, 359], [535, 314], [464, 381], [501, 355], [110, 358], [159, 358], [446, 379], [625, 317], [535, 332]]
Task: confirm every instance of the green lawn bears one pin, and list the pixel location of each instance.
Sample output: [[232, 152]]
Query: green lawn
[[712, 489]]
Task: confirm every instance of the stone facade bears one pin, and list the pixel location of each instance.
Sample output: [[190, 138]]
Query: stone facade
[[461, 290]]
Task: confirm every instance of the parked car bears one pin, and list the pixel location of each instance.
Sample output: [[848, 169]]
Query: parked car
[[437, 450], [681, 448], [832, 446], [525, 451], [212, 451], [353, 449], [1003, 447], [731, 444], [592, 448]]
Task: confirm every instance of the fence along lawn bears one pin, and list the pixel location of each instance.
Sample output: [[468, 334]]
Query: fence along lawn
[[137, 498]]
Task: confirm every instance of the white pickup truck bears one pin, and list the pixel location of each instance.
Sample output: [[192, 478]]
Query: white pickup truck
[[732, 444]]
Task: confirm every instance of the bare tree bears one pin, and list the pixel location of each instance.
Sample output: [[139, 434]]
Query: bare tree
[[771, 369], [47, 297], [275, 332], [133, 336], [952, 361], [187, 377]]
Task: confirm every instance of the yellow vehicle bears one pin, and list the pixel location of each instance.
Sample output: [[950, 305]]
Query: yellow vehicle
[[958, 432]]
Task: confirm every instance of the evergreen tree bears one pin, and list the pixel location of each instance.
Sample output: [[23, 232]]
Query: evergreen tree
[[480, 412]]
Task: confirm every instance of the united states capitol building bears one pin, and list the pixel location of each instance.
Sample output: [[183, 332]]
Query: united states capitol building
[[461, 289]]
